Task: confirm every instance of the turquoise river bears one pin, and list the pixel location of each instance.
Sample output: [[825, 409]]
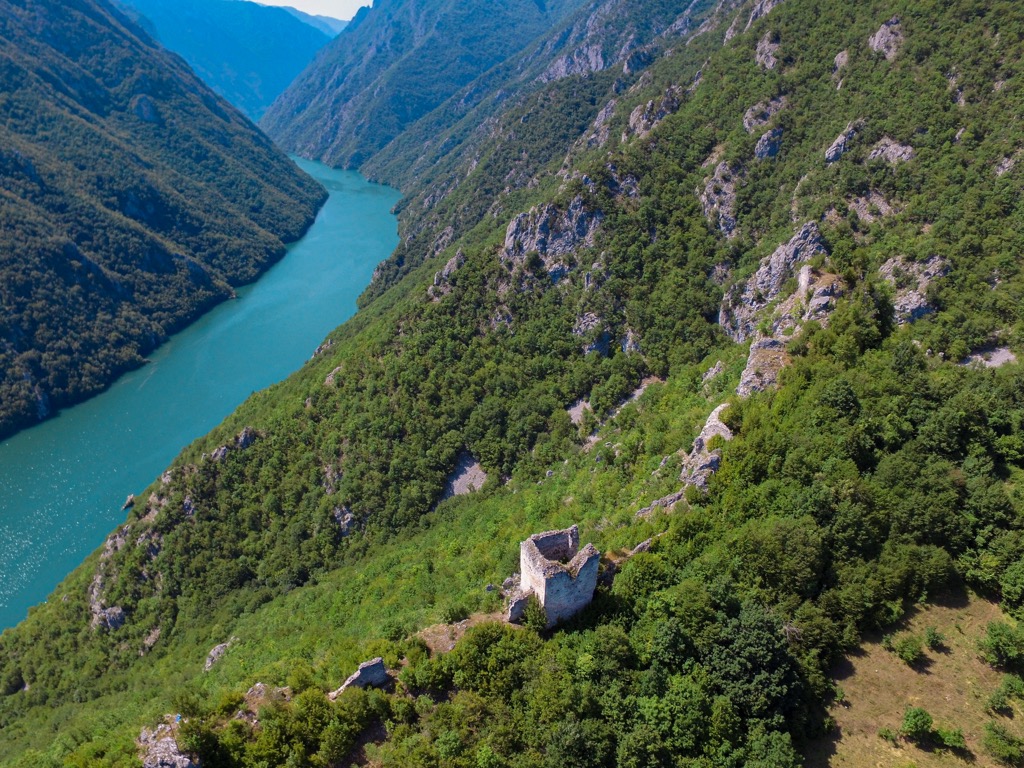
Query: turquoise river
[[63, 482]]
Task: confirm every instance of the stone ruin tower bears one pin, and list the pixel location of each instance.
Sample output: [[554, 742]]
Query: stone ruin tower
[[554, 568]]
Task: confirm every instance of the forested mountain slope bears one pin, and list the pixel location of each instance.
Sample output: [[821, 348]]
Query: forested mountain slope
[[246, 52], [760, 315], [394, 64], [133, 199]]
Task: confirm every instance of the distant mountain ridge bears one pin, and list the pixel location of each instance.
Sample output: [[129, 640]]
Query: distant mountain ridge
[[132, 199], [326, 24], [394, 64], [247, 52]]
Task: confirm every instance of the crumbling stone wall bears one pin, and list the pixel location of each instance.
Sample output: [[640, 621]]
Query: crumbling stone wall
[[558, 572]]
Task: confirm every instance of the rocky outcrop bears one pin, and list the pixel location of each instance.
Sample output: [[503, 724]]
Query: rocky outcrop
[[761, 113], [888, 39], [990, 357], [744, 315], [645, 117], [766, 359], [600, 130], [591, 328], [1007, 164], [576, 411], [718, 199], [216, 653], [769, 144], [561, 575], [581, 61], [767, 47], [838, 64], [158, 749], [891, 151], [468, 476], [243, 440], [371, 674], [740, 311], [871, 206], [703, 461], [553, 235], [442, 279], [910, 281], [761, 9], [840, 146]]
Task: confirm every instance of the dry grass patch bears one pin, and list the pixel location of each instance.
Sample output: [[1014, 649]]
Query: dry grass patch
[[953, 684]]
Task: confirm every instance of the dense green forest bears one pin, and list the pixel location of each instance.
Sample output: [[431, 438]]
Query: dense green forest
[[833, 184], [133, 199]]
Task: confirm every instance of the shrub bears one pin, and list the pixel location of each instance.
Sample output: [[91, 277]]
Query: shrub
[[1003, 646], [951, 737], [917, 724], [934, 639], [1003, 745], [908, 648]]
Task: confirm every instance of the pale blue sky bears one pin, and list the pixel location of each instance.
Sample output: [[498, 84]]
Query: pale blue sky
[[339, 9]]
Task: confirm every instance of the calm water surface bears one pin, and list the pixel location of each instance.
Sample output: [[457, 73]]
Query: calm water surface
[[62, 483]]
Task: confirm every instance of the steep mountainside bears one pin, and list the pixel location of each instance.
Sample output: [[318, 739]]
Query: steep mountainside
[[246, 52], [132, 200], [394, 64], [754, 327]]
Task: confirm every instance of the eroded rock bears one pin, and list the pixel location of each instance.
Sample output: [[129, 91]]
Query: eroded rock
[[769, 144], [645, 117], [442, 279], [761, 113], [739, 314], [718, 199], [553, 235], [767, 47], [891, 151], [466, 477], [159, 749], [911, 280], [888, 39], [371, 674], [840, 146]]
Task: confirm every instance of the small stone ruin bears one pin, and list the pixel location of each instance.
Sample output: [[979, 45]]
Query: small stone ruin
[[554, 568], [371, 674]]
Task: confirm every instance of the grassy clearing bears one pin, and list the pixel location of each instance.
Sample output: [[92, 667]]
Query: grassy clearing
[[951, 683]]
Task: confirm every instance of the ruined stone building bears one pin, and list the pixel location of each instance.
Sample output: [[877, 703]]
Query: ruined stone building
[[554, 568]]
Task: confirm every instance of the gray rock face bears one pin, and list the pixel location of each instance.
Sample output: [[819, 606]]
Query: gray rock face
[[552, 234], [891, 151], [739, 314], [769, 144], [701, 462], [591, 327], [599, 133], [842, 142], [645, 117], [761, 9], [766, 359], [911, 280], [767, 47], [158, 749], [761, 113], [587, 58], [888, 39], [718, 199], [466, 477], [215, 655], [442, 279], [371, 674], [110, 618]]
